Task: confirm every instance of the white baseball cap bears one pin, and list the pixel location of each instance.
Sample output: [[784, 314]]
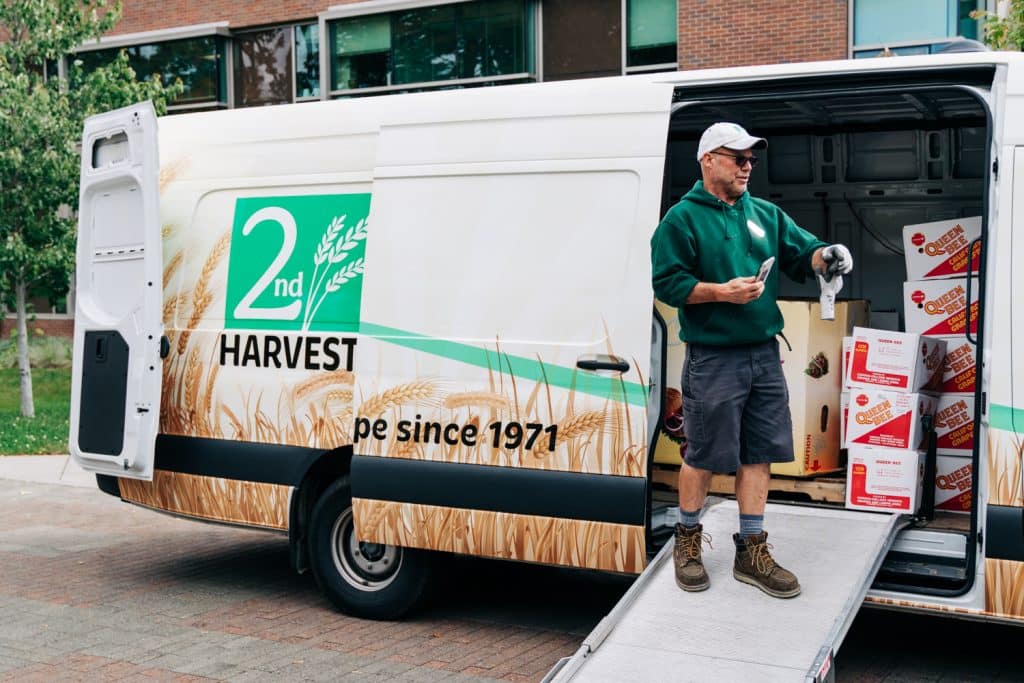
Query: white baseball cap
[[728, 135]]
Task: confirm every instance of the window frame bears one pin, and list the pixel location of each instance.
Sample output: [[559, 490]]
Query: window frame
[[218, 29], [290, 27], [647, 68], [531, 52], [852, 49]]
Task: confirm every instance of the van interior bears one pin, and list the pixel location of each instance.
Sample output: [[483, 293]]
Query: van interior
[[854, 164]]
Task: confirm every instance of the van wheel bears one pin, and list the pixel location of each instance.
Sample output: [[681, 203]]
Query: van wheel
[[368, 580]]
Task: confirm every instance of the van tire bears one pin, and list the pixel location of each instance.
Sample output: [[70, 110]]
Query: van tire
[[366, 580]]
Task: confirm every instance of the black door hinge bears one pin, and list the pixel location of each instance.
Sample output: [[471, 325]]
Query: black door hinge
[[995, 167]]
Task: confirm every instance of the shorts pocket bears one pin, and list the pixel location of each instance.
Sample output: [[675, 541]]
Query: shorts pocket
[[693, 419]]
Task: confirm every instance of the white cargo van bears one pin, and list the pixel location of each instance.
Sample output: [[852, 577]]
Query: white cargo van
[[413, 323]]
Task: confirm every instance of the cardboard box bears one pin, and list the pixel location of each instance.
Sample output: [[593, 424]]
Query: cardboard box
[[954, 425], [959, 371], [895, 361], [938, 307], [813, 375], [953, 491], [844, 416], [939, 249], [883, 479], [888, 419]]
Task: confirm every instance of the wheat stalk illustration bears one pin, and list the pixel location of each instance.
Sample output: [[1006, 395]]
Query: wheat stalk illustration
[[333, 248], [403, 393], [202, 296], [335, 283], [323, 253]]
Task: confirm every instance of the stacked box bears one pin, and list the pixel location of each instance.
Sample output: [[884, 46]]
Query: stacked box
[[939, 249], [953, 477], [895, 361], [888, 419], [938, 308], [889, 375], [883, 479], [935, 303]]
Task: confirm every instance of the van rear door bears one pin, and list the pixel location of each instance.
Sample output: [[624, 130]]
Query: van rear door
[[502, 366], [115, 387]]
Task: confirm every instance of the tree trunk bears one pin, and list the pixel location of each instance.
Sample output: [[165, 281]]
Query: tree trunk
[[27, 407]]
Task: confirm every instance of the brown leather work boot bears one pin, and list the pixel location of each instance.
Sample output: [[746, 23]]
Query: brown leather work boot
[[754, 565], [690, 574]]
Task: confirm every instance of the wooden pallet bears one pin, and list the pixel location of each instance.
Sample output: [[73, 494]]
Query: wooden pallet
[[823, 489]]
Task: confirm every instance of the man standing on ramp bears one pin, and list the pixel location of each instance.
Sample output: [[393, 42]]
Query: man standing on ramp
[[715, 257]]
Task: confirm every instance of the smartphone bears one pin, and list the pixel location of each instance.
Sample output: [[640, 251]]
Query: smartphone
[[766, 267]]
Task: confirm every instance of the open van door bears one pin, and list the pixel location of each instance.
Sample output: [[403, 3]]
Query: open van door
[[115, 387]]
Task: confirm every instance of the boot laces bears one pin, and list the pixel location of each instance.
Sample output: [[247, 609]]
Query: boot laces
[[763, 561], [690, 544]]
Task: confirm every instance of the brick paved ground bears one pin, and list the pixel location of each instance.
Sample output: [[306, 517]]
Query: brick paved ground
[[95, 589]]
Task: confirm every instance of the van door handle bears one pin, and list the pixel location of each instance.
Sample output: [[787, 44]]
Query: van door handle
[[967, 303], [602, 361]]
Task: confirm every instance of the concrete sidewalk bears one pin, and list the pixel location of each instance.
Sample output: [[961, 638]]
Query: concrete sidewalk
[[46, 469]]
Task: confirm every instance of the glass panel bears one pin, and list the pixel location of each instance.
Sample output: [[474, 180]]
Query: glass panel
[[198, 62], [884, 21], [263, 67], [441, 43], [652, 32], [651, 22], [361, 56], [307, 61], [967, 27]]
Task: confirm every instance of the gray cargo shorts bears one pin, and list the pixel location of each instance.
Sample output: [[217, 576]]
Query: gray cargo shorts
[[735, 406]]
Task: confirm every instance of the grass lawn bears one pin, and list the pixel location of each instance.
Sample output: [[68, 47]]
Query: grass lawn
[[48, 432]]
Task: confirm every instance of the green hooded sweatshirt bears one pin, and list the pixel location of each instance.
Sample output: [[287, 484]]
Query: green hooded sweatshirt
[[703, 239]]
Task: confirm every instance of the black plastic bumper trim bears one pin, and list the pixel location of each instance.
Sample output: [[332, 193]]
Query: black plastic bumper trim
[[242, 460], [592, 497], [1004, 533]]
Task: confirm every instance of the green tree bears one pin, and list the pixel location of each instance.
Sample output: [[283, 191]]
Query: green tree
[[40, 128], [1004, 32]]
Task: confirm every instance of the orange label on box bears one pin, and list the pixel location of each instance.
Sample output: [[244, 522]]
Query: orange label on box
[[859, 494], [859, 370]]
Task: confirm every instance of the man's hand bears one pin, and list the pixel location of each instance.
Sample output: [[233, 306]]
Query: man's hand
[[836, 259], [740, 290]]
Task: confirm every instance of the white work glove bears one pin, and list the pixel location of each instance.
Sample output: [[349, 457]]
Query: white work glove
[[838, 259]]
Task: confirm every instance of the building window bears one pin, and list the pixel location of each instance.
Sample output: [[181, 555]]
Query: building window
[[198, 62], [276, 65], [263, 67], [440, 46], [910, 26], [651, 34], [307, 62]]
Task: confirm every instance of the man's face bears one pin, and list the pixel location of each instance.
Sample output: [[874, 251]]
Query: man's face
[[729, 170]]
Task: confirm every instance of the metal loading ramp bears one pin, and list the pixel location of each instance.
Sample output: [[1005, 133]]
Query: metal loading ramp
[[734, 631]]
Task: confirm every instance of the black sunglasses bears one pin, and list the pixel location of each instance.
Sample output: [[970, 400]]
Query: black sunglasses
[[739, 158]]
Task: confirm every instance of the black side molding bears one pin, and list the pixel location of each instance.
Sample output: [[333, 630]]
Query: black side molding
[[108, 484], [242, 460], [1004, 533], [546, 493]]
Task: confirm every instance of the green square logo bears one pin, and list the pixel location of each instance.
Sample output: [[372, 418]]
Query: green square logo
[[296, 262]]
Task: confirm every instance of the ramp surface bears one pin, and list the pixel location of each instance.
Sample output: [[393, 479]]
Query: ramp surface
[[733, 631]]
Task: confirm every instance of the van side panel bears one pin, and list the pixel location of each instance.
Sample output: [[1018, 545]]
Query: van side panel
[[507, 252]]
